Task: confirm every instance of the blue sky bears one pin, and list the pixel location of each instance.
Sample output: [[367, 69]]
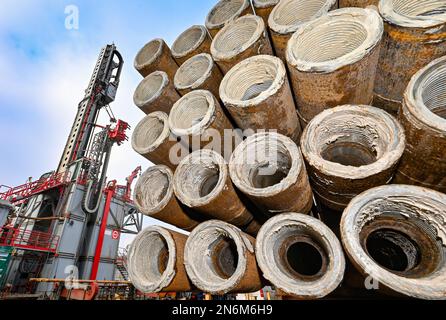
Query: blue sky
[[45, 68]]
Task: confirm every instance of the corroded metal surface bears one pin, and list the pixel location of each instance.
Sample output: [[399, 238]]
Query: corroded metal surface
[[343, 72], [240, 39], [350, 149], [289, 15], [155, 261], [155, 56], [413, 37], [357, 3], [155, 93], [202, 182], [300, 256], [263, 8], [199, 72], [154, 197], [220, 259], [257, 94], [191, 42], [423, 116], [269, 169], [152, 139], [224, 12], [395, 235]]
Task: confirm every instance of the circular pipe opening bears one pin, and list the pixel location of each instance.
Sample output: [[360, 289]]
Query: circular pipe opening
[[150, 132], [414, 13], [396, 235], [194, 71], [425, 95], [300, 255], [153, 189], [304, 258], [393, 250], [237, 36], [151, 261], [192, 113], [339, 38], [215, 257], [150, 88], [224, 11], [345, 140], [265, 163], [188, 41], [200, 177], [288, 15], [264, 3], [253, 80], [149, 53]]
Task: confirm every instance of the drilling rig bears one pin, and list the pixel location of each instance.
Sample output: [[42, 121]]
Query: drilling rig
[[68, 223]]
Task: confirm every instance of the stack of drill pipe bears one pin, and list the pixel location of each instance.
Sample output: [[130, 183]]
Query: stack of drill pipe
[[350, 149], [423, 116], [269, 169], [153, 140], [332, 60], [155, 261], [357, 3], [257, 94], [154, 197], [242, 38], [414, 36], [191, 42], [199, 72], [263, 8], [202, 183], [289, 15], [317, 265], [220, 259], [224, 12], [394, 235], [155, 93], [198, 120], [155, 56]]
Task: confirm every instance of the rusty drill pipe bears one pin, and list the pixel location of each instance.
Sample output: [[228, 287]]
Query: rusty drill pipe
[[396, 235], [191, 42], [202, 183], [423, 116], [240, 39], [155, 261], [300, 256], [350, 149], [155, 93], [152, 139], [220, 259], [199, 72], [289, 15], [257, 94], [269, 169], [414, 36], [197, 118], [263, 8], [154, 197], [155, 56], [357, 3], [332, 60], [224, 12]]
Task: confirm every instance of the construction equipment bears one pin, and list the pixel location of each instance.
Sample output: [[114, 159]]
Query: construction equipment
[[69, 222]]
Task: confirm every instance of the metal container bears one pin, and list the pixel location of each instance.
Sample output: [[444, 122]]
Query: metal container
[[332, 60], [423, 116], [242, 38], [395, 236], [414, 36], [350, 149], [220, 259]]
